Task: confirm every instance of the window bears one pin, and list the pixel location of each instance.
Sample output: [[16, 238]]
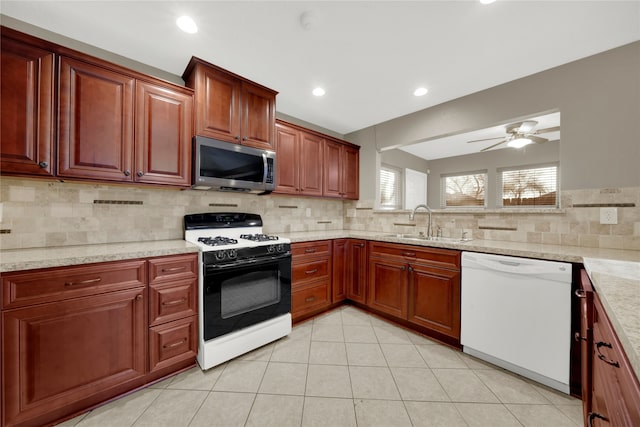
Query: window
[[390, 187], [529, 186], [464, 190]]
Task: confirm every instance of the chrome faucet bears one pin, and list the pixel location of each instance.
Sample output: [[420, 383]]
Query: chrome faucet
[[413, 213]]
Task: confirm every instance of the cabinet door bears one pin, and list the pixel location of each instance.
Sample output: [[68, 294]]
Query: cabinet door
[[287, 145], [69, 355], [388, 287], [311, 164], [351, 173], [333, 168], [95, 122], [163, 135], [218, 105], [434, 299], [357, 271], [258, 117], [586, 341], [340, 270], [27, 94]]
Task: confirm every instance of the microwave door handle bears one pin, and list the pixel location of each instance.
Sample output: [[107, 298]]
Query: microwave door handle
[[265, 167]]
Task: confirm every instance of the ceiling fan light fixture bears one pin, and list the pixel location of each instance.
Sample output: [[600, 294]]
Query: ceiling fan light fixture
[[487, 1], [519, 142], [186, 24], [318, 91]]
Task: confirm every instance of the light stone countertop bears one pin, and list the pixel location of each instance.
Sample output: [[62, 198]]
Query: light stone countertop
[[30, 259]]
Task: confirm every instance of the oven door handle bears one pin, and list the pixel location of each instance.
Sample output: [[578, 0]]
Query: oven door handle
[[246, 262]]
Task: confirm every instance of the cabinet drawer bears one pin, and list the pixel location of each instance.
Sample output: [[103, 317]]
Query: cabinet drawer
[[170, 268], [310, 270], [173, 342], [173, 300], [310, 297], [56, 284], [445, 258], [321, 247]]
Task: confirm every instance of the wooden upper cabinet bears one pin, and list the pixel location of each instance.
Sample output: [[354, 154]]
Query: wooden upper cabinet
[[341, 170], [27, 104], [95, 122], [311, 160], [287, 146], [231, 108], [163, 135], [299, 161]]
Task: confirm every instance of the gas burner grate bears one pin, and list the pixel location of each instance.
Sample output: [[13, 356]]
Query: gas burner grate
[[258, 237], [217, 241]]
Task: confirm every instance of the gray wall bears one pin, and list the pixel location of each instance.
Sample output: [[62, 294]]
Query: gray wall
[[598, 97], [401, 158]]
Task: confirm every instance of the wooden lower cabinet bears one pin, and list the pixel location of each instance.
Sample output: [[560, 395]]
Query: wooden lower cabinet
[[61, 357], [311, 278], [417, 284], [611, 390], [74, 337]]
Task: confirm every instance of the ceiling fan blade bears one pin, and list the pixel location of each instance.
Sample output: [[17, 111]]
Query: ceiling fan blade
[[537, 139], [527, 126], [494, 145], [486, 139], [547, 130]]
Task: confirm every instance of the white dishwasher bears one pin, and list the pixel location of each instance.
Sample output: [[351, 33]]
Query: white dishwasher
[[516, 313]]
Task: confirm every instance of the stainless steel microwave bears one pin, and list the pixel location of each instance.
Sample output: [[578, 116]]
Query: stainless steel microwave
[[224, 166]]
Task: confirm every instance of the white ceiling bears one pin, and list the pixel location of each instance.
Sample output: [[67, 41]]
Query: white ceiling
[[458, 145], [368, 55]]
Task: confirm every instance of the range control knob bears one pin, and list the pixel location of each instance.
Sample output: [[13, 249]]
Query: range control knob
[[220, 255], [232, 253], [280, 247], [271, 248]]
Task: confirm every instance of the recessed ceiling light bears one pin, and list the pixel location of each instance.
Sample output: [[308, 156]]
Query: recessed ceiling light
[[187, 24], [487, 1], [421, 91], [318, 91]]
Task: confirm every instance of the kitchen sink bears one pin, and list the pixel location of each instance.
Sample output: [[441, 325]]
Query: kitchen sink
[[423, 237]]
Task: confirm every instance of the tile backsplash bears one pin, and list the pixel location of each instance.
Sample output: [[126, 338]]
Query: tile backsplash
[[39, 213], [576, 224]]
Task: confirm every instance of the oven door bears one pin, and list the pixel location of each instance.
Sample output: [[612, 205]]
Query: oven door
[[241, 294]]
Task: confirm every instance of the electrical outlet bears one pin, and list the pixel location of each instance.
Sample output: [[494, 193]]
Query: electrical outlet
[[608, 215]]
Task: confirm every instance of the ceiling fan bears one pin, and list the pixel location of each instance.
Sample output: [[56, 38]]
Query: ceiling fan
[[520, 134]]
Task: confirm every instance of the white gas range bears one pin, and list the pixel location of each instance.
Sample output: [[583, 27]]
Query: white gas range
[[244, 292]]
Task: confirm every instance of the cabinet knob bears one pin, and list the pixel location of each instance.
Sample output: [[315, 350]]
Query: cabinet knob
[[140, 173], [139, 297], [577, 337], [43, 165], [237, 137], [580, 293], [244, 138], [127, 172]]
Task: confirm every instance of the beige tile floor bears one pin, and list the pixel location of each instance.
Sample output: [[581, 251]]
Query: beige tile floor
[[344, 368]]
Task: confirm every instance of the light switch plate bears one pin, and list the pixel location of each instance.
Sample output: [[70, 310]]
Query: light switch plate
[[608, 215]]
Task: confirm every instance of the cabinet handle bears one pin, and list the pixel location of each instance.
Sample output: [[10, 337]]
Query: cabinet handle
[[43, 165], [127, 172], [581, 293], [310, 299], [310, 250], [173, 269], [602, 356], [410, 254], [140, 173], [175, 344], [314, 271], [83, 282], [139, 297], [174, 302], [577, 337], [594, 415]]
